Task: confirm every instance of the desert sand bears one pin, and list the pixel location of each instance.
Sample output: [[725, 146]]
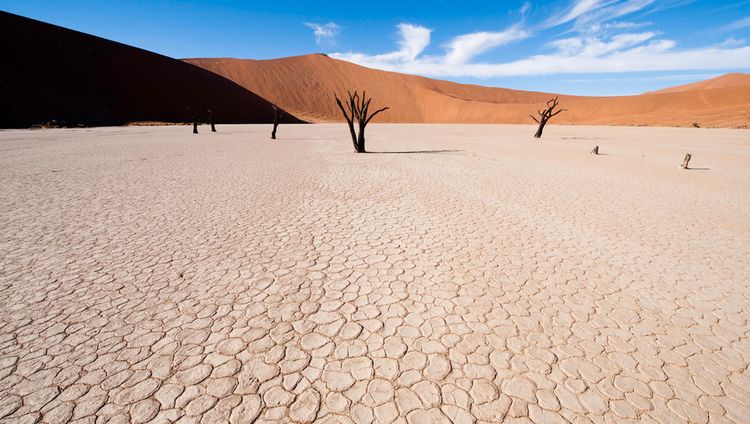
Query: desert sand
[[305, 86], [458, 274], [725, 81]]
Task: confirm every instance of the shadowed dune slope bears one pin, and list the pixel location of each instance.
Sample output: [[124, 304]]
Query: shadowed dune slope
[[52, 73], [305, 85]]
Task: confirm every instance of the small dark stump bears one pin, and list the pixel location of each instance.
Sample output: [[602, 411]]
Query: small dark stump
[[210, 114]]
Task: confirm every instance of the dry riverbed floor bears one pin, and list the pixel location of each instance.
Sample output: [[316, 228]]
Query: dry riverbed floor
[[460, 274]]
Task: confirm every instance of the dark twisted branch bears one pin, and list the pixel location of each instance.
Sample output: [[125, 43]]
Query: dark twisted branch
[[545, 115], [357, 108]]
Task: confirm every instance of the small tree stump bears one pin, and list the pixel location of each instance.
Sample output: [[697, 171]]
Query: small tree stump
[[210, 114], [686, 161], [595, 150]]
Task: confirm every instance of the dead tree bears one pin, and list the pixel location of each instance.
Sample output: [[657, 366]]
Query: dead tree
[[277, 114], [210, 115], [358, 108], [195, 123], [545, 116], [595, 150], [686, 161]]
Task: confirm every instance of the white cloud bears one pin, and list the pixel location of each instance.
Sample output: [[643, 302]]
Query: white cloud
[[325, 34], [414, 39], [739, 24], [590, 22], [732, 42], [466, 47], [628, 52], [601, 46], [656, 56], [609, 27], [670, 4], [579, 7], [595, 47]]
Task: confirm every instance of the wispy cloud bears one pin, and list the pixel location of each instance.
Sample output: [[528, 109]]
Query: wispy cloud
[[635, 52], [577, 9], [601, 44], [663, 5], [468, 46], [325, 34], [732, 42], [595, 19], [739, 24], [413, 40], [525, 9]]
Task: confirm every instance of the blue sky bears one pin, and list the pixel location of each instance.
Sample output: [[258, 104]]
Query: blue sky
[[587, 47]]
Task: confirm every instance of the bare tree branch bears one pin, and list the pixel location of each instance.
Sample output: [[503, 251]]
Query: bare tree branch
[[359, 109], [545, 115], [375, 113]]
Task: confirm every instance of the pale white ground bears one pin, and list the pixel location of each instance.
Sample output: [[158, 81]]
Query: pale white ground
[[147, 274]]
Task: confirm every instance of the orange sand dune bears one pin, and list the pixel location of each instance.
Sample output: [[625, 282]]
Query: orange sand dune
[[724, 81], [305, 85]]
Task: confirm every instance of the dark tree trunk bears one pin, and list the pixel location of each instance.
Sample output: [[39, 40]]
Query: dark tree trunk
[[210, 114], [195, 126], [276, 115], [544, 116], [540, 130], [358, 108], [354, 137], [361, 140]]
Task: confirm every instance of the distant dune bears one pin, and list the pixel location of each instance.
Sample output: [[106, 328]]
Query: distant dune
[[53, 73], [305, 85], [724, 81]]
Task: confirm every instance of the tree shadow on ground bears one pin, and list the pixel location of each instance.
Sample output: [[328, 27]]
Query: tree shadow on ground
[[407, 152]]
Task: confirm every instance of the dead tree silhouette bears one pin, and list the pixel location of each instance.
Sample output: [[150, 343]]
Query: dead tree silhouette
[[277, 114], [544, 116], [195, 122], [210, 115], [358, 108]]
